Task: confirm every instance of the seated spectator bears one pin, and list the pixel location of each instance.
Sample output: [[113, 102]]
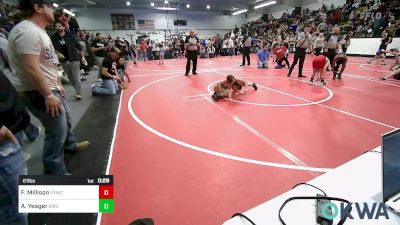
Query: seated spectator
[[323, 26], [203, 52], [348, 14], [382, 8], [211, 51]]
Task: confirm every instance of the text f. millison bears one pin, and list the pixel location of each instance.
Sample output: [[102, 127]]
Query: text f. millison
[[37, 192]]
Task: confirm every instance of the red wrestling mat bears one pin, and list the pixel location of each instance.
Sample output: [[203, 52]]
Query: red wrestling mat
[[181, 158]]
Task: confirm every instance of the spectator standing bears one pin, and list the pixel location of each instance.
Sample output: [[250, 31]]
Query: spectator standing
[[35, 75], [143, 49], [99, 49], [162, 53], [73, 25], [231, 46], [70, 54], [133, 53]]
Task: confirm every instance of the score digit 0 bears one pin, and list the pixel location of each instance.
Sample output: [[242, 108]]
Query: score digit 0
[[106, 192]]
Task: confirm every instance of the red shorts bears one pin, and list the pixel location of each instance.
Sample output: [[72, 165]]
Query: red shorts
[[319, 62]]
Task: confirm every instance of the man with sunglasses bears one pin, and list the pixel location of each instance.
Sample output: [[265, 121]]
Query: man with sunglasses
[[34, 61]]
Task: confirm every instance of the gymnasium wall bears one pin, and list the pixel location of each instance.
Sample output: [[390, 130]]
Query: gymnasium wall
[[369, 46], [205, 23]]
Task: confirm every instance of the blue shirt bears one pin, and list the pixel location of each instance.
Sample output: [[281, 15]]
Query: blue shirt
[[293, 28], [203, 43], [263, 55], [254, 41]]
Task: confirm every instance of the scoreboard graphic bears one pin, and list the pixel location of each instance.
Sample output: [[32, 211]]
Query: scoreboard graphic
[[66, 194]]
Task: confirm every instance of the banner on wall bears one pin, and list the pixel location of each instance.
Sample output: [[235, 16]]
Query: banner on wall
[[122, 22], [146, 24]]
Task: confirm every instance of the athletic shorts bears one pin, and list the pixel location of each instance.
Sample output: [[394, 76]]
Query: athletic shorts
[[382, 46], [243, 83], [319, 62], [340, 61]]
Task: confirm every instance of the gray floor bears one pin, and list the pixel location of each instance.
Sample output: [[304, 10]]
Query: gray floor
[[77, 108]]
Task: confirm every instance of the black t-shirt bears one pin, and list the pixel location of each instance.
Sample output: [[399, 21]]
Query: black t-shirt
[[126, 44], [64, 48], [98, 44], [121, 67], [111, 66]]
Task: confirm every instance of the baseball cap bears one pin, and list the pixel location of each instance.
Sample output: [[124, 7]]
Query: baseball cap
[[27, 4]]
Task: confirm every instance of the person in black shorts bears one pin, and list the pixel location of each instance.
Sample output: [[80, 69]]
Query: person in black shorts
[[387, 38]]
